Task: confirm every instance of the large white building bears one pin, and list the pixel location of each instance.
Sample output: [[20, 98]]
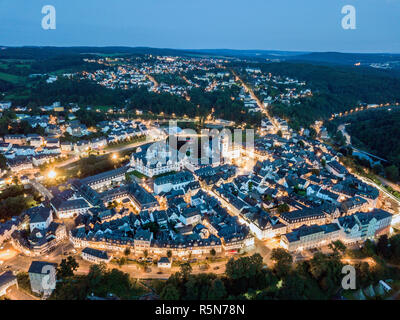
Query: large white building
[[349, 229], [106, 179], [172, 182], [308, 237], [95, 256], [40, 218], [157, 158], [69, 208]]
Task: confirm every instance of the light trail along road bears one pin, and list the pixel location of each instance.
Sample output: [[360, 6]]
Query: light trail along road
[[259, 103]]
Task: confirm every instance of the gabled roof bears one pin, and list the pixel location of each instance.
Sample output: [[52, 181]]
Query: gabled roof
[[38, 267], [96, 253], [40, 214]]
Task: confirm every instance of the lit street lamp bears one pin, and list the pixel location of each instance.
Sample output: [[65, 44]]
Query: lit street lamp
[[52, 174]]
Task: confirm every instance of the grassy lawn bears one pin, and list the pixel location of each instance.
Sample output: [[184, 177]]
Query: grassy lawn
[[118, 144], [11, 78], [103, 108], [125, 143], [15, 96], [349, 294], [110, 54], [25, 284], [164, 174], [137, 174]]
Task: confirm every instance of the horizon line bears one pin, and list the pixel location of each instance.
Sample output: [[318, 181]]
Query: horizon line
[[192, 49]]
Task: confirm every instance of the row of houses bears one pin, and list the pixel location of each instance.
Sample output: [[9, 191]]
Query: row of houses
[[44, 234], [350, 229]]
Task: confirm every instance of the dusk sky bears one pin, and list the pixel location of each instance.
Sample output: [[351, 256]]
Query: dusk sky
[[312, 25]]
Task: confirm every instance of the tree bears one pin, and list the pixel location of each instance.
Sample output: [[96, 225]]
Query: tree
[[283, 207], [186, 270], [102, 281], [313, 133], [244, 267], [292, 288], [369, 248], [392, 173], [245, 273], [315, 172], [169, 293], [192, 288], [395, 248], [169, 253], [127, 251], [152, 226], [363, 273], [283, 261], [382, 247], [337, 247], [213, 252], [217, 290], [327, 271], [145, 253], [121, 261], [250, 185], [378, 169], [3, 162], [16, 180], [67, 267]]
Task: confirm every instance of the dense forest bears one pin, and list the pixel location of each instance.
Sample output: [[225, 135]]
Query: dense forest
[[67, 63], [335, 88], [169, 79], [378, 132], [15, 199], [245, 278], [88, 93], [83, 92], [100, 282]]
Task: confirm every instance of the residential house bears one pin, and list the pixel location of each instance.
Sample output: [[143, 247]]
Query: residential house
[[42, 276], [95, 256]]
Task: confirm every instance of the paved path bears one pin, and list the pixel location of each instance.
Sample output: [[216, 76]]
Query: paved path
[[41, 189], [366, 180], [259, 103], [394, 186], [111, 149], [350, 112], [15, 293]]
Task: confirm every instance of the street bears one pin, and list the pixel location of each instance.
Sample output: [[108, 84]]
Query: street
[[259, 103], [15, 293], [111, 149], [41, 189]]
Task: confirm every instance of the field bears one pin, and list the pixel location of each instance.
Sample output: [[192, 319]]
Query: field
[[11, 78]]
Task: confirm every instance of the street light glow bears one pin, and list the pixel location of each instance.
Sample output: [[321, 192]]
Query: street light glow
[[114, 156], [52, 174]]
